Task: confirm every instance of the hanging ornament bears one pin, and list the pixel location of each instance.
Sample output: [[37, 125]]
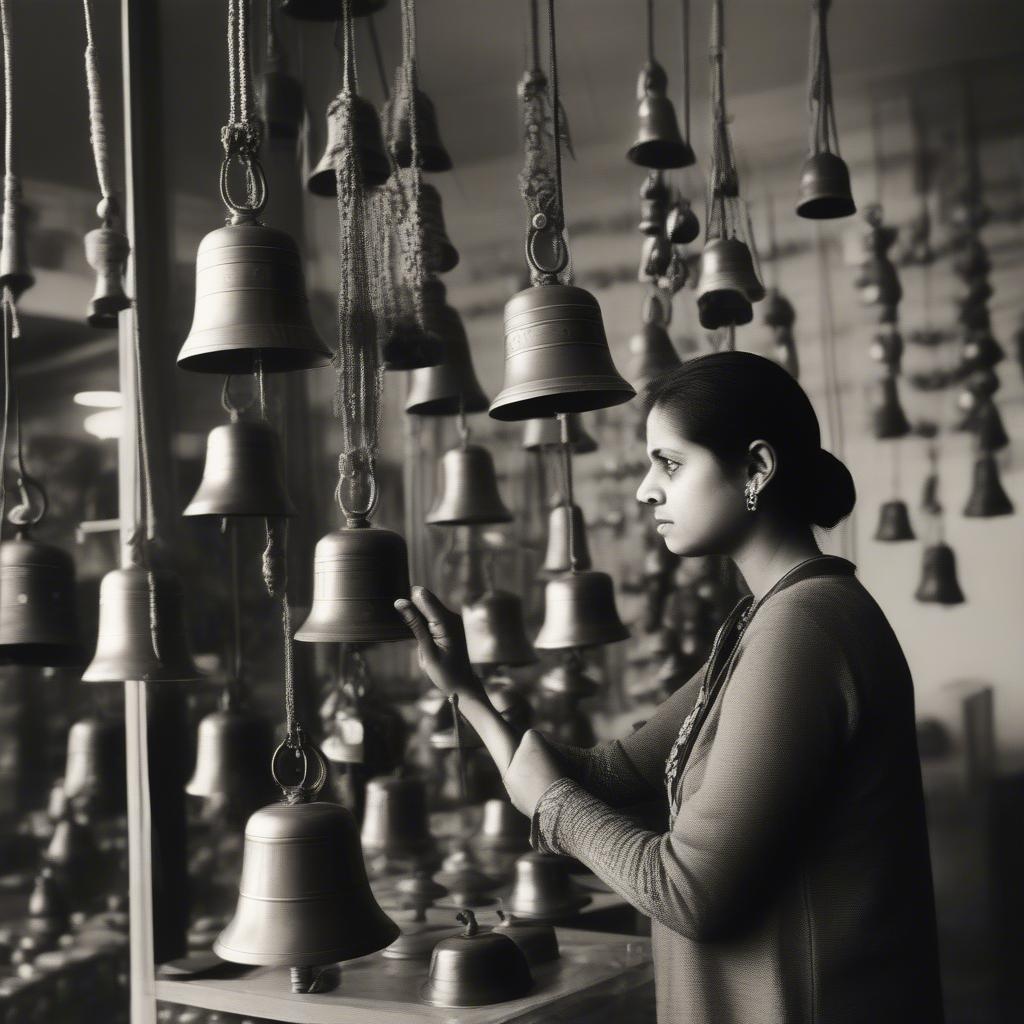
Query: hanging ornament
[[251, 307], [469, 492], [825, 180], [652, 354], [779, 314], [730, 278], [939, 583], [556, 353]]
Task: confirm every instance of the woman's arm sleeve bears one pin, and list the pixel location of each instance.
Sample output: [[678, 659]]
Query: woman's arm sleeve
[[627, 771], [785, 715]]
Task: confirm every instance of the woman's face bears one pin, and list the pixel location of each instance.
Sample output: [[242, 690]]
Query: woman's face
[[697, 502]]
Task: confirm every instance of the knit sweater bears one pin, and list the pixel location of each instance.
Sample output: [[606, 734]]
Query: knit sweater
[[794, 886]]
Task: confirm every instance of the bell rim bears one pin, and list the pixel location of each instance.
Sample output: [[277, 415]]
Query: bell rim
[[574, 903], [208, 509], [473, 401], [427, 990], [316, 634], [160, 675], [675, 154], [479, 519], [212, 356], [832, 207], [577, 394]]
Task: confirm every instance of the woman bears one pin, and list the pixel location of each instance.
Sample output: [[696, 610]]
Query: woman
[[793, 882]]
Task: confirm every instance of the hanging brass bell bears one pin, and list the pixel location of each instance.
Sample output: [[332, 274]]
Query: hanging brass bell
[[303, 897], [651, 355], [939, 584], [232, 754], [409, 347], [358, 574], [579, 611], [15, 274], [251, 307], [825, 192], [38, 616], [94, 772], [888, 419], [469, 494], [655, 257], [451, 385], [243, 474], [106, 251], [439, 255], [329, 10], [397, 117], [987, 424], [778, 310], [495, 630], [372, 160], [281, 102], [546, 432], [727, 284], [503, 829], [988, 497], [682, 226], [395, 823], [556, 356], [556, 556], [476, 969], [125, 641], [543, 890], [894, 522], [654, 200], [658, 143]]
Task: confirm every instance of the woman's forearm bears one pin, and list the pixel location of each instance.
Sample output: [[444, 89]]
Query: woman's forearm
[[500, 738]]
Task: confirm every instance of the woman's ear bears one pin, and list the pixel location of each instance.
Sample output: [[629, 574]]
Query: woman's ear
[[761, 463]]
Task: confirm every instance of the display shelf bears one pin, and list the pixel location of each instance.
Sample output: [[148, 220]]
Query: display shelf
[[387, 991]]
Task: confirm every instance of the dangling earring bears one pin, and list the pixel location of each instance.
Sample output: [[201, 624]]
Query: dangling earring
[[751, 494]]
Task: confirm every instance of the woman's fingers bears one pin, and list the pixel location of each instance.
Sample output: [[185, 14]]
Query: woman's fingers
[[437, 617], [417, 623]]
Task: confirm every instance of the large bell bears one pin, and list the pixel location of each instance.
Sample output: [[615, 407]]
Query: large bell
[[106, 251], [329, 10], [232, 755], [303, 897], [545, 432], [469, 495], [125, 641], [432, 152], [825, 188], [440, 255], [451, 386], [38, 617], [579, 611], [495, 631], [727, 284], [894, 522], [651, 355], [243, 474], [251, 306], [556, 557], [395, 823], [987, 498], [358, 574], [94, 772], [282, 105], [543, 890], [939, 584], [658, 143], [476, 969], [556, 356], [372, 161], [888, 419]]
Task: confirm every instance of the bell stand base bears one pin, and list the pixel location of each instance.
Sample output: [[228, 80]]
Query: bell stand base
[[311, 980]]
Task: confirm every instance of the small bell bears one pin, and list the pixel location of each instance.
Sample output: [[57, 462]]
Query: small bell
[[440, 256], [467, 884], [778, 310], [243, 474], [372, 160], [125, 641], [495, 631], [579, 611], [894, 522], [654, 200], [251, 306], [329, 10], [433, 155], [503, 829], [418, 892], [94, 772], [987, 424], [543, 890], [395, 822], [785, 352], [987, 498], [658, 143], [939, 584], [887, 349], [556, 557], [727, 284], [358, 574], [451, 386], [15, 274], [469, 495], [556, 356], [825, 188], [106, 251], [38, 616], [652, 355], [47, 906], [682, 226], [537, 941], [887, 417], [545, 432], [655, 257], [281, 102]]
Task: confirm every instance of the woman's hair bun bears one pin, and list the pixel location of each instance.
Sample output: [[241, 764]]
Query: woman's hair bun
[[831, 491]]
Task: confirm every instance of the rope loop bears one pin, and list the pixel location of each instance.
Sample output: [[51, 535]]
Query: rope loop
[[24, 515], [255, 185], [310, 756], [230, 406]]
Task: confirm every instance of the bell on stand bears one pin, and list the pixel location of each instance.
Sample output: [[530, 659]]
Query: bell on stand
[[496, 631], [556, 557], [398, 112], [467, 884], [94, 772], [939, 583], [106, 252], [450, 386], [988, 497], [825, 192], [894, 522], [476, 969], [372, 161], [396, 828], [727, 284], [544, 433], [503, 829], [48, 910], [469, 495], [543, 889], [537, 940], [418, 893], [888, 419], [141, 630], [243, 474], [658, 143], [303, 898]]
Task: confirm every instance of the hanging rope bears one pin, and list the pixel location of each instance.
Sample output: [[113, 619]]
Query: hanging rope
[[97, 124], [12, 184], [823, 137], [650, 31], [275, 579], [566, 452], [723, 178]]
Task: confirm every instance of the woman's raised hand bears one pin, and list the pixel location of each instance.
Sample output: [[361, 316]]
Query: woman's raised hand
[[441, 643]]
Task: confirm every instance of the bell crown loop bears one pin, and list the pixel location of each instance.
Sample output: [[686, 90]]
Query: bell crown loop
[[542, 227], [22, 515], [355, 518], [246, 212], [305, 789]]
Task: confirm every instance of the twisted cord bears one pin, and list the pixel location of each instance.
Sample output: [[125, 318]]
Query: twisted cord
[[566, 452], [534, 61], [275, 578], [7, 311], [5, 30], [556, 112], [650, 31], [97, 124], [232, 61]]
